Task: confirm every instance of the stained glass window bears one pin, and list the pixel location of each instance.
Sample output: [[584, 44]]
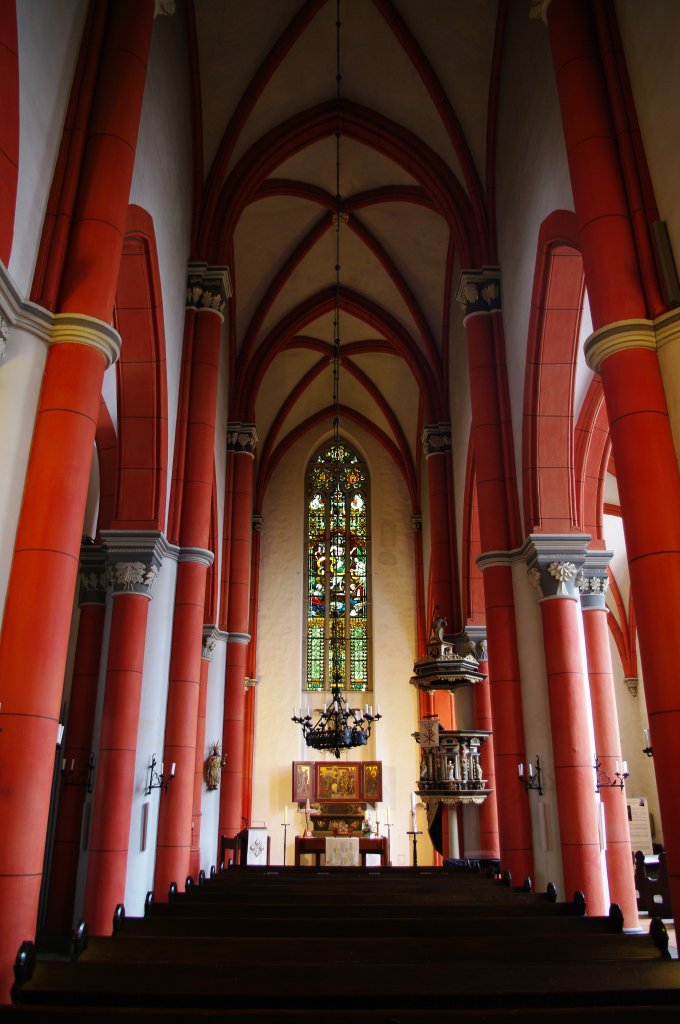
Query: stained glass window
[[337, 579]]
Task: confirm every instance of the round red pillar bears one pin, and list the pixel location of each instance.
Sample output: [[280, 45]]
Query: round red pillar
[[622, 351], [479, 293], [554, 562], [618, 853], [437, 448], [208, 290], [78, 742], [45, 562], [242, 439], [481, 696]]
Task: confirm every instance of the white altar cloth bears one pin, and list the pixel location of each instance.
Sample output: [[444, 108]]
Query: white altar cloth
[[342, 851]]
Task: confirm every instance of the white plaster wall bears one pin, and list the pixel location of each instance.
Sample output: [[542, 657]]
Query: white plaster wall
[[537, 736], [210, 804], [49, 42], [280, 646], [533, 181], [162, 184], [20, 378]]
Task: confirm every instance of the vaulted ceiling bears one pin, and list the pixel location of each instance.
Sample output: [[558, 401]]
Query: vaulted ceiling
[[417, 151]]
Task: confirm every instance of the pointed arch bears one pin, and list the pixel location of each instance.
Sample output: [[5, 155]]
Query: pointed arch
[[141, 378], [548, 435]]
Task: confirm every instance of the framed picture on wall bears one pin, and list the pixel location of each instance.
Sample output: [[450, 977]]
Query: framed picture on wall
[[337, 782], [372, 781], [303, 781]]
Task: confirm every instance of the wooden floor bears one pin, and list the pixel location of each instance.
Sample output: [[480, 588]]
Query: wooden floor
[[345, 944]]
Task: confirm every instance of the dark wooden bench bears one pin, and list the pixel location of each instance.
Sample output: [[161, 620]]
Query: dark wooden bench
[[493, 954], [651, 883]]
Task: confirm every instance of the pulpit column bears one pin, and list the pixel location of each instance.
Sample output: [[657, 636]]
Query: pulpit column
[[481, 697]]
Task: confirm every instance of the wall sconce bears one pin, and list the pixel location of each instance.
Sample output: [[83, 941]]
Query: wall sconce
[[534, 778], [647, 749], [159, 780], [603, 780], [81, 778]]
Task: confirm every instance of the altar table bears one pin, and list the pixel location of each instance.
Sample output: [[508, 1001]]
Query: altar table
[[317, 846]]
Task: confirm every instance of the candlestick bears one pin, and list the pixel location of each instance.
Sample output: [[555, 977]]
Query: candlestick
[[285, 836]]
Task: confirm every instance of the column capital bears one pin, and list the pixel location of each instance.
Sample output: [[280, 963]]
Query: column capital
[[92, 575], [242, 437], [208, 288], [477, 636], [211, 637], [554, 561], [134, 559], [479, 291], [592, 580], [617, 337], [436, 439]]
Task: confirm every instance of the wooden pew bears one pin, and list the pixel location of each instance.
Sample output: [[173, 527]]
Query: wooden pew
[[493, 954], [651, 882]]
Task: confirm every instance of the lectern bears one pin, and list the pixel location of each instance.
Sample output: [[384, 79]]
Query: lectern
[[253, 847]]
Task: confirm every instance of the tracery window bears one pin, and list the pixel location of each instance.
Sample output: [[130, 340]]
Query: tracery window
[[337, 577]]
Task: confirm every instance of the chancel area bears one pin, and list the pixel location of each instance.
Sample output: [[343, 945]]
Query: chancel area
[[339, 506]]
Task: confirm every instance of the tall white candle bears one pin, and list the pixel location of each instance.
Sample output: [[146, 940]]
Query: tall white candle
[[389, 817], [285, 814]]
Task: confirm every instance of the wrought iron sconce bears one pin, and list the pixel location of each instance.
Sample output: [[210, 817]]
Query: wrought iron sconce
[[604, 780], [648, 749], [534, 778], [82, 778], [159, 780]]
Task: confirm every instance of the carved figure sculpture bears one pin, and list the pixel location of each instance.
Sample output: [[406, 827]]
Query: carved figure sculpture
[[213, 767]]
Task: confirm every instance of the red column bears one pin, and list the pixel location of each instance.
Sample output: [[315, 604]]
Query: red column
[[209, 642], [134, 560], [78, 742], [47, 544], [242, 439], [210, 289], [622, 350], [479, 293], [481, 697], [437, 445], [593, 584], [553, 565]]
